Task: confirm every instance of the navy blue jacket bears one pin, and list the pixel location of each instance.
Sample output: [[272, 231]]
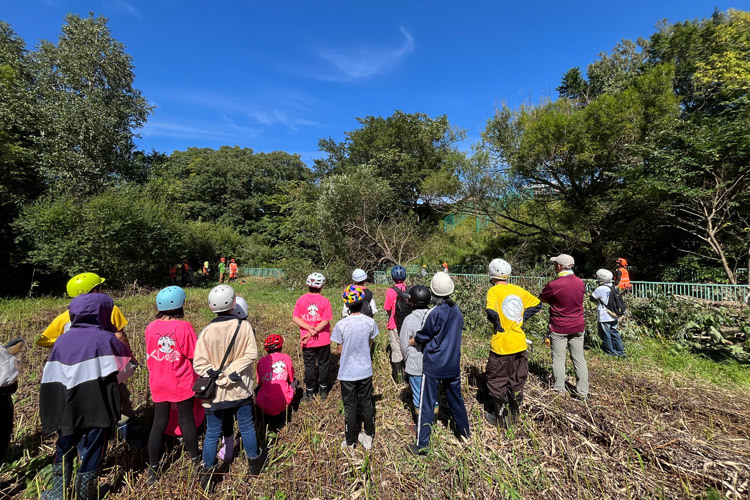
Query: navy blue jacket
[[441, 337]]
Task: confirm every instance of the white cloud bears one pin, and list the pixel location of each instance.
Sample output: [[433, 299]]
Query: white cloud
[[155, 128], [124, 7], [362, 62]]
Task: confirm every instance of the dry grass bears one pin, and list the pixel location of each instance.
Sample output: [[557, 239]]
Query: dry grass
[[643, 434]]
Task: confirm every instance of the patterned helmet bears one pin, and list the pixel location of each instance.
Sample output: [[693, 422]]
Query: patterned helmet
[[353, 294], [316, 280], [273, 343]]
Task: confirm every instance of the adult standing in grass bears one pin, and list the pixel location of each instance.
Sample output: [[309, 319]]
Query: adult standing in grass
[[566, 324], [354, 336], [440, 340], [606, 323], [232, 339], [222, 269], [508, 306], [170, 346], [312, 313], [78, 398], [232, 270]]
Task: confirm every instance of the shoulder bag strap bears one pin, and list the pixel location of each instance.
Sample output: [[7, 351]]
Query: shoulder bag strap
[[231, 344]]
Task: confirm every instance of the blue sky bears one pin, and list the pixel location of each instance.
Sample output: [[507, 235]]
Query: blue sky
[[279, 75]]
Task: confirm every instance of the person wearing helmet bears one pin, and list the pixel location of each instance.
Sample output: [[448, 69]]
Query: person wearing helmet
[[275, 377], [312, 313], [222, 269], [606, 323], [566, 324], [232, 271], [440, 341], [170, 346], [78, 396], [85, 283], [508, 306], [206, 273], [419, 299], [396, 306], [355, 335], [359, 277], [622, 276], [232, 339]]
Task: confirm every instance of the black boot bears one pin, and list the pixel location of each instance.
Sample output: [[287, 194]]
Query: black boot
[[205, 479], [516, 400], [309, 395], [500, 414], [323, 392], [153, 474], [400, 366], [257, 463]]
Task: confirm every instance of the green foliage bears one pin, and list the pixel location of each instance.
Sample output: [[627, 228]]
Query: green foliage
[[715, 332]]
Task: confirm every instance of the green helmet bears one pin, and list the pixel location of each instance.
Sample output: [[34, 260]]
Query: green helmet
[[83, 283]]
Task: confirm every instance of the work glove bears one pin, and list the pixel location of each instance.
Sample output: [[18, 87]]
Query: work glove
[[212, 373], [235, 377]]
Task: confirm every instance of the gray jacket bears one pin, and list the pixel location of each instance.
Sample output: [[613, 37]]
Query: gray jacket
[[412, 354]]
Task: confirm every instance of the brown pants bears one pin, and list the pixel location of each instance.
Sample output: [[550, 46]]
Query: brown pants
[[506, 372]]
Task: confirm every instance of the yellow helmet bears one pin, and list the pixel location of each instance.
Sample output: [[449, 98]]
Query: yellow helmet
[[83, 283]]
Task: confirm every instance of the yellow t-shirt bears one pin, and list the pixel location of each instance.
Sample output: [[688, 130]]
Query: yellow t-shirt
[[61, 324], [509, 301]]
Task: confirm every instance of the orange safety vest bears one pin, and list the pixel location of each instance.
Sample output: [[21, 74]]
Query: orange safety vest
[[624, 282], [233, 269], [173, 272]]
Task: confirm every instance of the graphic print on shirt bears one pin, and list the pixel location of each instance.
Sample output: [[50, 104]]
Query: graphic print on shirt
[[166, 351], [312, 313], [512, 308], [278, 372]]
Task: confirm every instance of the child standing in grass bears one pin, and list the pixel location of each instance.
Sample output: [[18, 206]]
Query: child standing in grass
[[440, 338], [354, 335], [229, 336], [275, 376], [419, 298], [170, 345], [312, 313]]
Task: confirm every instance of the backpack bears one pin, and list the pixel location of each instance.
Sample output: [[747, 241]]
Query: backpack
[[616, 304], [403, 309], [366, 308]]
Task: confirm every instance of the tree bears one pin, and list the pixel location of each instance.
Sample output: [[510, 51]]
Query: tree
[[88, 105], [408, 150], [573, 85]]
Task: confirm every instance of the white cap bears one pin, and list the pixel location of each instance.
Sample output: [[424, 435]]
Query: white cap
[[603, 276]]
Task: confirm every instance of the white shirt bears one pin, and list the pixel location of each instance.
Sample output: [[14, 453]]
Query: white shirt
[[601, 294]]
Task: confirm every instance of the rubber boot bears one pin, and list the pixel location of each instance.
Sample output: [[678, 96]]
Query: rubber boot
[[256, 464], [309, 395], [500, 414], [323, 392], [153, 474], [394, 372], [60, 483], [515, 406], [400, 366], [205, 479], [87, 485]]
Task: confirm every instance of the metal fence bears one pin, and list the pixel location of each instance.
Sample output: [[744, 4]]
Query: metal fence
[[263, 272], [641, 289]]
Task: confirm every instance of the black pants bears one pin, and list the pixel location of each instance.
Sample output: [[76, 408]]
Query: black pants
[[187, 426], [506, 373], [358, 395], [319, 357], [6, 422]]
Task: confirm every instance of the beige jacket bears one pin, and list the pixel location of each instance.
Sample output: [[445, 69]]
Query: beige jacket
[[209, 351]]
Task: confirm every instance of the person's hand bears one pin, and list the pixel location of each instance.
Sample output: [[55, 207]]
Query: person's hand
[[306, 337], [412, 342], [547, 342], [212, 373], [312, 331], [235, 377]]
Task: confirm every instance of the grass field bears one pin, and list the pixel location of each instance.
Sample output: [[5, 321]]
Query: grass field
[[661, 423]]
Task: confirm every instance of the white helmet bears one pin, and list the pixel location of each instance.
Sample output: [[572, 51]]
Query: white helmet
[[316, 280], [499, 268], [359, 275], [221, 298], [603, 276], [441, 284], [240, 308]]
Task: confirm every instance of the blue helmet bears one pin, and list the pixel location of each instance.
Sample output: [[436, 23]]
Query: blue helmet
[[398, 273], [172, 297]]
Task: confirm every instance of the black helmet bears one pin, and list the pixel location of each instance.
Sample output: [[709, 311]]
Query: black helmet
[[420, 296]]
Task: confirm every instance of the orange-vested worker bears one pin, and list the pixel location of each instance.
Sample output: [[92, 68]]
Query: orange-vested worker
[[622, 277], [232, 270]]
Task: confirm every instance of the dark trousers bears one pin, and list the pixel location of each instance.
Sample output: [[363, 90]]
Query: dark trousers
[[429, 396], [6, 422], [187, 426], [91, 444], [358, 395], [506, 373], [319, 357]]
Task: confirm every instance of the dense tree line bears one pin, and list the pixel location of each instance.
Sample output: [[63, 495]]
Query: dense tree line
[[644, 155]]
